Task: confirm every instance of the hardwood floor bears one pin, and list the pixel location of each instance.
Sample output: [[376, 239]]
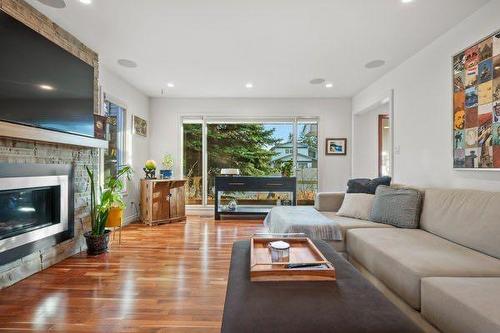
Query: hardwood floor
[[168, 278]]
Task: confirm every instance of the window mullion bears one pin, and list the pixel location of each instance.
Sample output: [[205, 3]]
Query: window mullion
[[204, 158], [295, 145]]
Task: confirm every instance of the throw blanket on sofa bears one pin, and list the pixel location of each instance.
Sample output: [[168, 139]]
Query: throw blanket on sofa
[[307, 220]]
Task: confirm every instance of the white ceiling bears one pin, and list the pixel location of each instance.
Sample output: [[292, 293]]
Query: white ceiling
[[212, 48]]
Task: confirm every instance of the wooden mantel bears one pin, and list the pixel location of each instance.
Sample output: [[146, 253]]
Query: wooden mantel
[[22, 132]]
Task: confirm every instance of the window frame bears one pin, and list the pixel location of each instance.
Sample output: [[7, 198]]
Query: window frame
[[204, 120], [106, 98]]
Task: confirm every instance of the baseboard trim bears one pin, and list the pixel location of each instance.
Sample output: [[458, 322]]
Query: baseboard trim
[[130, 219], [199, 211]]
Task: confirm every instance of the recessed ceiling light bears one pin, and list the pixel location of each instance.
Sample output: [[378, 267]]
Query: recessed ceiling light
[[317, 81], [375, 63], [127, 63], [54, 3], [45, 87], [406, 1], [329, 85], [249, 85], [86, 2], [170, 85]]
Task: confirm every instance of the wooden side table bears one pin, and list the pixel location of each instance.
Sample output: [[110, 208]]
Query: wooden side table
[[162, 201]]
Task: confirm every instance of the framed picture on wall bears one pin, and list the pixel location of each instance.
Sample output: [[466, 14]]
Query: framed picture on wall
[[140, 126], [476, 105], [336, 146]]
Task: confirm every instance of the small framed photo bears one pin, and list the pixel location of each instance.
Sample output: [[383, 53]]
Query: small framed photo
[[140, 126], [100, 127], [336, 146]]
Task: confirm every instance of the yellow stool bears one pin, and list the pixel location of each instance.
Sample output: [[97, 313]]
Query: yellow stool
[[115, 219]]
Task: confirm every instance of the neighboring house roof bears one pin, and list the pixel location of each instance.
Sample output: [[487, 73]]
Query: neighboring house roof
[[286, 157], [289, 145]]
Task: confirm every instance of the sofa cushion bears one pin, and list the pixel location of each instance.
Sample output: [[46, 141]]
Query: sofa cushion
[[357, 205], [346, 223], [462, 305], [397, 207], [329, 201], [365, 185], [470, 218], [401, 257]]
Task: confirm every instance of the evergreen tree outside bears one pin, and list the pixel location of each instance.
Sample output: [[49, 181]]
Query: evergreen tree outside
[[241, 146], [246, 147]]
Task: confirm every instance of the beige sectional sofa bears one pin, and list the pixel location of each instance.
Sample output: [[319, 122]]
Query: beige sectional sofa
[[449, 269]]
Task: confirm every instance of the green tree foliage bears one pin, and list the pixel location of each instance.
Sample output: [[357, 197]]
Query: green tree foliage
[[242, 146], [309, 136]]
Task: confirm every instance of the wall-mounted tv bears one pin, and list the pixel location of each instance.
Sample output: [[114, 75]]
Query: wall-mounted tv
[[41, 84]]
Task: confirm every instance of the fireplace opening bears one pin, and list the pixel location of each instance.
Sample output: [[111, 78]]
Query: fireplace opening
[[26, 210], [32, 209]]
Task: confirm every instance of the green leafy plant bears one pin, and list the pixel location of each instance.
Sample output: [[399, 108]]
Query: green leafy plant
[[113, 188], [286, 168], [110, 197], [150, 165], [168, 161]]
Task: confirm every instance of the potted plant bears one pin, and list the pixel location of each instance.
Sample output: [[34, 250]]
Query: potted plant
[[97, 238], [113, 196], [150, 169], [168, 163], [286, 168]]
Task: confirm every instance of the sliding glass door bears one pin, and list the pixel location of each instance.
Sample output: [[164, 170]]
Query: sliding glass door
[[256, 148], [192, 160], [306, 152]]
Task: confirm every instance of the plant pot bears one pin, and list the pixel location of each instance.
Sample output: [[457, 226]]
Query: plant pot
[[150, 173], [166, 174], [115, 217], [96, 244]]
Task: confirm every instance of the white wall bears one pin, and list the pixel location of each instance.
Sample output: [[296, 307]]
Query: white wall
[[335, 121], [423, 105], [137, 147], [365, 141]]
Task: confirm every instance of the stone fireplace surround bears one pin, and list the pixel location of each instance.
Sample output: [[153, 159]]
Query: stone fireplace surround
[[33, 152]]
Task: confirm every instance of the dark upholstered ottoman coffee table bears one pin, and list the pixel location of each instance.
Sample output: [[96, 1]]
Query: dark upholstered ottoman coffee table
[[350, 304]]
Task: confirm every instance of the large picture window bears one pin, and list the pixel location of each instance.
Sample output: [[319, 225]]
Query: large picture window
[[256, 148]]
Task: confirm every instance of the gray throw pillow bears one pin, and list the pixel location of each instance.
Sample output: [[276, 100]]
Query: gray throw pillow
[[397, 207]]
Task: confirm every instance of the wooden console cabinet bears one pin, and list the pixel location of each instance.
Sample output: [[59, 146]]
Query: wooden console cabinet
[[162, 201]]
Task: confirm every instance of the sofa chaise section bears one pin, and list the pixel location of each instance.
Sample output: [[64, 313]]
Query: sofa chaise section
[[400, 258], [459, 237], [462, 305], [348, 223]]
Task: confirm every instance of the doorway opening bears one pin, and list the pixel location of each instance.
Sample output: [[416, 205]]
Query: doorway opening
[[384, 145]]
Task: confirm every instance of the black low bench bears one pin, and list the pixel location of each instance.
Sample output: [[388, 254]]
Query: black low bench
[[350, 304]]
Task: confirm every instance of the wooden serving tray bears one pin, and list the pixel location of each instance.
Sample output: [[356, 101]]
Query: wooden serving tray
[[302, 251]]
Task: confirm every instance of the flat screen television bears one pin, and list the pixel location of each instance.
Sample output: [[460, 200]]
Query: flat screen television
[[41, 84]]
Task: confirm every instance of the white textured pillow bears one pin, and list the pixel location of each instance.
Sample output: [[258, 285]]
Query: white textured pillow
[[357, 205]]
